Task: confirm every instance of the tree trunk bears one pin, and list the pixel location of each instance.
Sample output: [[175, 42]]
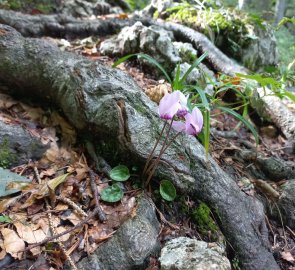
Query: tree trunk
[[107, 105], [280, 10]]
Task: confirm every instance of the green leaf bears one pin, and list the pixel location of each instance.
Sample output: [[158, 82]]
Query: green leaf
[[195, 64], [5, 219], [123, 59], [120, 173], [263, 81], [203, 97], [289, 95], [176, 84], [167, 190], [156, 63], [243, 120], [147, 58], [112, 194]]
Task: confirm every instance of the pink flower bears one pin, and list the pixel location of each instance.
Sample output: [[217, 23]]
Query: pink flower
[[193, 123], [172, 104]]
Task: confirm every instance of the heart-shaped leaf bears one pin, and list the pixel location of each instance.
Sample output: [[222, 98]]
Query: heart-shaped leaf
[[167, 190], [112, 194], [120, 173]]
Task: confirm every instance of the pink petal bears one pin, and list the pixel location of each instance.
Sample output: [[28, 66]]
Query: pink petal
[[194, 122], [178, 126], [168, 106]]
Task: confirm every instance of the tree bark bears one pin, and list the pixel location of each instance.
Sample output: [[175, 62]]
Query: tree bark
[[108, 105], [280, 10]]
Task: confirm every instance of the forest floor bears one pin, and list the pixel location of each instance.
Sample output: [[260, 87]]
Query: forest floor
[[67, 156]]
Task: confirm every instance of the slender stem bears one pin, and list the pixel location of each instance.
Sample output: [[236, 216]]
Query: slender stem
[[154, 165], [151, 154], [161, 151]]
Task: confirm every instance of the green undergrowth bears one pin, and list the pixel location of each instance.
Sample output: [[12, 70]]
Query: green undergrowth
[[228, 29], [286, 45], [42, 6]]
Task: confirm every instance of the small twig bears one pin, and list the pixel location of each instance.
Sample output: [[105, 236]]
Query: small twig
[[76, 207], [37, 175], [100, 213], [52, 238], [292, 232]]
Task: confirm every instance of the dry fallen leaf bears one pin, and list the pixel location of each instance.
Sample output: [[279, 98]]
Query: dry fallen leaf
[[29, 232], [2, 250], [12, 243], [287, 256]]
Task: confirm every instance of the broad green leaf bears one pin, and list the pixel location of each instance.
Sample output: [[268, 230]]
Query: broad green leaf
[[289, 95], [195, 64], [167, 190], [120, 173], [112, 194], [243, 120], [5, 219]]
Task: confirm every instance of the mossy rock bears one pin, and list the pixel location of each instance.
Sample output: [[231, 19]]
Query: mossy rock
[[235, 33]]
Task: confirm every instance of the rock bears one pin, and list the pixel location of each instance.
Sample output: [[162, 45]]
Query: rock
[[134, 242], [192, 78], [200, 75], [262, 49], [152, 40], [17, 145], [286, 205], [283, 209], [186, 51], [272, 168], [185, 254], [84, 8]]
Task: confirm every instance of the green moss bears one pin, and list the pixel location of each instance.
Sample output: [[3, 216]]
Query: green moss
[[203, 220], [226, 28], [6, 156], [43, 6]]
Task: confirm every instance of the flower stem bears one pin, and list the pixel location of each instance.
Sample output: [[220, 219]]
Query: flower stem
[[151, 169], [151, 154]]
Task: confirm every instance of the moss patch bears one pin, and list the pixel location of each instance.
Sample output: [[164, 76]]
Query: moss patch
[[227, 29], [43, 6], [7, 158], [202, 218]]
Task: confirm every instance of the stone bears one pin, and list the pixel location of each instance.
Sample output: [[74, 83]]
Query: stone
[[17, 145], [186, 254], [153, 40], [131, 246], [262, 49], [200, 75], [286, 205]]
